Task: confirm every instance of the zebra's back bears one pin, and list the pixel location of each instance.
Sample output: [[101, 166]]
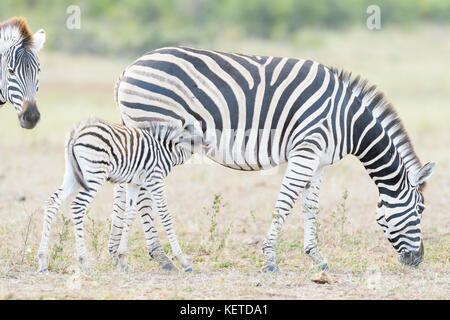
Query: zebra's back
[[249, 106]]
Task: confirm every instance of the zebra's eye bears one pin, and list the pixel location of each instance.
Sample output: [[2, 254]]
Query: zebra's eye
[[420, 208], [11, 72]]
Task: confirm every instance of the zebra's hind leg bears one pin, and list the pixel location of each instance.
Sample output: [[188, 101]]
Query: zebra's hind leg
[[301, 166], [132, 192], [310, 199], [155, 249], [68, 187], [79, 207]]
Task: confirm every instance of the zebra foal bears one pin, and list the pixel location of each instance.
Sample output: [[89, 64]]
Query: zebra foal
[[97, 151]]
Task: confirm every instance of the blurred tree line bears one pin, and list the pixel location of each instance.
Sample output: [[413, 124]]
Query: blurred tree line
[[135, 26]]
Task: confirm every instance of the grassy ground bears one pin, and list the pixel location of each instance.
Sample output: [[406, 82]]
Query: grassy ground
[[222, 215]]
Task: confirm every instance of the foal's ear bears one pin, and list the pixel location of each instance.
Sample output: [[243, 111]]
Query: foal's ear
[[191, 136], [423, 174], [38, 40]]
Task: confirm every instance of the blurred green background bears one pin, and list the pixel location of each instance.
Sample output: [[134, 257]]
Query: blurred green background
[[128, 28], [407, 57]]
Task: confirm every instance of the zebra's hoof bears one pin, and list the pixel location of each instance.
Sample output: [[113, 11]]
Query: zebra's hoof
[[188, 269], [323, 266], [43, 270], [271, 268], [168, 267]]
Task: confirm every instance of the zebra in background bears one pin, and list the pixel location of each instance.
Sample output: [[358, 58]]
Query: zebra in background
[[96, 152], [257, 112], [19, 68]]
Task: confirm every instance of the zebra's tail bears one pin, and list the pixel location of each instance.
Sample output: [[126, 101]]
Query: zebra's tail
[[71, 158]]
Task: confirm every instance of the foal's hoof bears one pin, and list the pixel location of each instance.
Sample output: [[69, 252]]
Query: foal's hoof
[[270, 268], [323, 266], [122, 264], [123, 267]]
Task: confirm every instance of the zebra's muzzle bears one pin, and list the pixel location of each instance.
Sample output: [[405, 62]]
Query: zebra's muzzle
[[30, 115], [412, 258]]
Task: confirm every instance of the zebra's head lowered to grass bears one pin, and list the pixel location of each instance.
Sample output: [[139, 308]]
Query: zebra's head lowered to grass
[[19, 68], [401, 218]]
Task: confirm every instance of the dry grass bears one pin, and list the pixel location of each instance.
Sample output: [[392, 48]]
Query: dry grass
[[224, 238]]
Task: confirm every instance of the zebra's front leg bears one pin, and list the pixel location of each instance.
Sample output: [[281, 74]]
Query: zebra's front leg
[[117, 221], [155, 249], [310, 199], [298, 174], [132, 192], [159, 196]]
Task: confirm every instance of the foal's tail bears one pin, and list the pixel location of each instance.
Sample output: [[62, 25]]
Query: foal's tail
[[71, 157]]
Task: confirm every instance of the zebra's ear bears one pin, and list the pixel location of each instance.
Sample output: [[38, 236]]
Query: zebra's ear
[[38, 40], [423, 174]]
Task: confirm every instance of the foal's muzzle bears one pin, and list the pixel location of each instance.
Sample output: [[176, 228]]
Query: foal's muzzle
[[412, 258], [30, 115]]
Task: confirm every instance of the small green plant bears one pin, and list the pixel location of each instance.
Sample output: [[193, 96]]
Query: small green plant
[[63, 236], [224, 264], [213, 212], [26, 236], [96, 234], [217, 238], [339, 218]]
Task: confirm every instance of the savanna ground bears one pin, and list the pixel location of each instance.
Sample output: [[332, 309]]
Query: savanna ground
[[223, 215]]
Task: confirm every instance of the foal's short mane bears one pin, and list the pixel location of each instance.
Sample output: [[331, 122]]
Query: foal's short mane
[[17, 27], [376, 102], [162, 130]]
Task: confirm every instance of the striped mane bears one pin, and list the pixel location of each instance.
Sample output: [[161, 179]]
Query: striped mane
[[16, 30], [162, 130], [376, 102]]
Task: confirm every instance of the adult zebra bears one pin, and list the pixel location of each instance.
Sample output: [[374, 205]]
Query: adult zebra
[[19, 68], [257, 112]]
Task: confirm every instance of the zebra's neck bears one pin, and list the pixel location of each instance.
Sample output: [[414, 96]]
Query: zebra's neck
[[383, 162], [171, 153], [375, 134]]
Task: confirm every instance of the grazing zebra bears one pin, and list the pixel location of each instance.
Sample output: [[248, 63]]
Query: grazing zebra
[[19, 68], [257, 112], [96, 152]]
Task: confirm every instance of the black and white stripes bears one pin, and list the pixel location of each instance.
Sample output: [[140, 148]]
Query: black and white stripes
[[97, 152], [256, 112]]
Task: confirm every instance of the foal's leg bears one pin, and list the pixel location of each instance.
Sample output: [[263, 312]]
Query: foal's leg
[[68, 187], [159, 196], [145, 208], [130, 212], [117, 221], [79, 208], [310, 199]]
